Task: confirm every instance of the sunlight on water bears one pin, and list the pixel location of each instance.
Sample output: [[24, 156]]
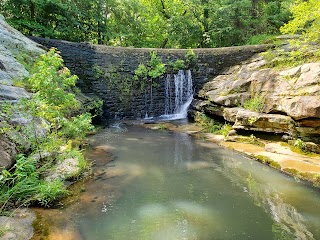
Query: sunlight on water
[[180, 188]]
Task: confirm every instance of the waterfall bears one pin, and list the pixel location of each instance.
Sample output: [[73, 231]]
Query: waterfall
[[182, 92], [168, 95]]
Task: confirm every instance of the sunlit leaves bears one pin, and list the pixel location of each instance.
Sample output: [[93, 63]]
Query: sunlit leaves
[[149, 23], [52, 83], [306, 20]]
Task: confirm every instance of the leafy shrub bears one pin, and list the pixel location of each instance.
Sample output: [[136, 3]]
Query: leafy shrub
[[52, 106], [300, 144], [207, 122], [225, 129], [191, 59], [177, 65], [76, 127]]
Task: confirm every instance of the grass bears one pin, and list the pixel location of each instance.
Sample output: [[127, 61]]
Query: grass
[[263, 39], [280, 59], [255, 104], [208, 123], [268, 161], [298, 150], [3, 230], [310, 177]]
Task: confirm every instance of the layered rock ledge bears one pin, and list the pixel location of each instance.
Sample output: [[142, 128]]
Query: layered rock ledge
[[287, 101]]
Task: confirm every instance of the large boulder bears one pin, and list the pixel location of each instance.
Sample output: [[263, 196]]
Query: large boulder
[[16, 51], [246, 119]]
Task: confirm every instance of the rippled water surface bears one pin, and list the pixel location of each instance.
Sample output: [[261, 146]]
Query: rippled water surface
[[171, 186]]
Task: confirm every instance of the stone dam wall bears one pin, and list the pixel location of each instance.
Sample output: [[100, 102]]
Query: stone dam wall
[[107, 72]]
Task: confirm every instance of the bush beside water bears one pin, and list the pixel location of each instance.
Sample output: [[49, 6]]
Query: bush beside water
[[48, 136]]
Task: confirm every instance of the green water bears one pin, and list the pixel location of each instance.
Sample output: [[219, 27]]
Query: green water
[[185, 188]]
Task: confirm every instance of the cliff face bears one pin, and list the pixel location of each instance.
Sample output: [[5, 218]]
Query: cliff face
[[16, 53], [279, 101]]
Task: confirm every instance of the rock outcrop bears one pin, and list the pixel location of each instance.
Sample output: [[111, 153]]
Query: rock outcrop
[[16, 53], [280, 101]]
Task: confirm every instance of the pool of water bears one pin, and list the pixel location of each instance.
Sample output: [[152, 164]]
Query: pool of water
[[171, 186]]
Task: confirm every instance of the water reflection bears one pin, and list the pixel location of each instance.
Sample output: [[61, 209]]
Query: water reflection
[[288, 222], [172, 187]]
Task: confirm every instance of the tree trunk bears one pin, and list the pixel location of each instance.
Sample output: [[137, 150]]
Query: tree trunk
[[205, 22]]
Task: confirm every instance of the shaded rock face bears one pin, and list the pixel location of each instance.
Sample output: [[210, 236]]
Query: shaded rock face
[[290, 99]]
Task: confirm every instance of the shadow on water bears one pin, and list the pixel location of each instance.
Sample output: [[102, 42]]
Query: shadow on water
[[161, 185]]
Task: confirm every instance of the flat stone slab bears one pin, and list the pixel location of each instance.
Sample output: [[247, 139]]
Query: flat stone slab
[[19, 226]]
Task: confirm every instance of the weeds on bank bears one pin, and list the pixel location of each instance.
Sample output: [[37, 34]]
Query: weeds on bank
[[46, 136], [310, 177], [300, 147], [211, 125], [255, 104], [268, 161]]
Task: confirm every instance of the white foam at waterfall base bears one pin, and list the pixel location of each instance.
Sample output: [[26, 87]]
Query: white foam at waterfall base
[[183, 95]]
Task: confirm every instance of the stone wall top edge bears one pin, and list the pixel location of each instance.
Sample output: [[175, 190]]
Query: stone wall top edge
[[254, 48]]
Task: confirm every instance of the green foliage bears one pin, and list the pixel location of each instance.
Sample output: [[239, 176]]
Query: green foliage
[[261, 39], [3, 230], [306, 20], [76, 127], [148, 23], [207, 122], [177, 65], [52, 84], [145, 74], [155, 66], [300, 144], [281, 59], [162, 126], [51, 107], [24, 186], [191, 59], [95, 107], [255, 103], [225, 129]]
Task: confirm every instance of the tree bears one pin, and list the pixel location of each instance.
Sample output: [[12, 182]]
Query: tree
[[148, 23], [306, 20]]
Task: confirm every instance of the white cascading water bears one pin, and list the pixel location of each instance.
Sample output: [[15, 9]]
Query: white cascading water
[[183, 95]]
